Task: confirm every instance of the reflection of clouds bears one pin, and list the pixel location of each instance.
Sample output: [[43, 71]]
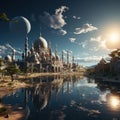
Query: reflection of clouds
[[90, 111], [87, 85], [102, 96], [80, 107], [96, 102], [110, 99], [72, 103]]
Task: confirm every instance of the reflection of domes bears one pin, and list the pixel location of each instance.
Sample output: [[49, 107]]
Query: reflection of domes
[[44, 103], [40, 43]]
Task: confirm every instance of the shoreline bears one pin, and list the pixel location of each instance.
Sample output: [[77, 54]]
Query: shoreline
[[33, 75], [7, 86]]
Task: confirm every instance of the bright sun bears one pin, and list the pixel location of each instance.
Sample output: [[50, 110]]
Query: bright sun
[[113, 37]]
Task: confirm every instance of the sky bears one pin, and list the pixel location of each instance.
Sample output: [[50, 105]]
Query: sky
[[84, 27]]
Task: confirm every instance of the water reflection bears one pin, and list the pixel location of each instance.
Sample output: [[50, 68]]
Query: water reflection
[[68, 98], [110, 94], [44, 86]]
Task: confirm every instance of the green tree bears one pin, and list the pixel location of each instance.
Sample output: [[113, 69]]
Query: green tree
[[2, 62], [115, 53], [2, 67], [11, 70]]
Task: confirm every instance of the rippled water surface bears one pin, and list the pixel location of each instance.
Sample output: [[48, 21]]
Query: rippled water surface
[[68, 98]]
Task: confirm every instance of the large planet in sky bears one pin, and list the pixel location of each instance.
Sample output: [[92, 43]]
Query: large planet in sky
[[20, 25]]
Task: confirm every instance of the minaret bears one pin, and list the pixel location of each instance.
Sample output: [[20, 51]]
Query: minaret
[[32, 49], [23, 56], [50, 51], [62, 56], [26, 47], [55, 50], [67, 57], [73, 60], [13, 55], [40, 31], [49, 45]]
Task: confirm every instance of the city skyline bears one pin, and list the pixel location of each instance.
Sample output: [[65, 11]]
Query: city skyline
[[80, 27]]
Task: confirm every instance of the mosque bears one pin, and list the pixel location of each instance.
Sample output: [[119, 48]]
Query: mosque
[[41, 58]]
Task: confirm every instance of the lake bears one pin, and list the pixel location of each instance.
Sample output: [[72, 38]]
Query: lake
[[68, 98]]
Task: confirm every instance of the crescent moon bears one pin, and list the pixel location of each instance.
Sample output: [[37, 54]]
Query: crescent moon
[[20, 23], [27, 24]]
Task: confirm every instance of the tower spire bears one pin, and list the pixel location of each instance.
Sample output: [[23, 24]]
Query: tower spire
[[49, 44], [13, 54], [56, 50], [62, 56], [40, 31], [67, 57], [26, 47]]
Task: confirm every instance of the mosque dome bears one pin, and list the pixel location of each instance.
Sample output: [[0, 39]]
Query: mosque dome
[[40, 43], [8, 58]]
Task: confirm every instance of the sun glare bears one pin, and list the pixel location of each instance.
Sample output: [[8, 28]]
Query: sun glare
[[113, 37], [114, 102]]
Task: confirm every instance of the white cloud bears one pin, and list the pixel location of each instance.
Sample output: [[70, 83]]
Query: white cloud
[[75, 17], [2, 47], [106, 43], [100, 41], [9, 46], [97, 39], [95, 49], [7, 49], [85, 54], [72, 39], [62, 32], [103, 96], [64, 51], [86, 28], [88, 59], [96, 44], [83, 44], [55, 21], [2, 50], [69, 51]]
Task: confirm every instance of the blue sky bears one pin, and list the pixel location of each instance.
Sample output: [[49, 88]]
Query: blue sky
[[79, 26]]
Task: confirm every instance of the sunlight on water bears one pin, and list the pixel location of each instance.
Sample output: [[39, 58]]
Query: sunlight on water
[[114, 102]]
